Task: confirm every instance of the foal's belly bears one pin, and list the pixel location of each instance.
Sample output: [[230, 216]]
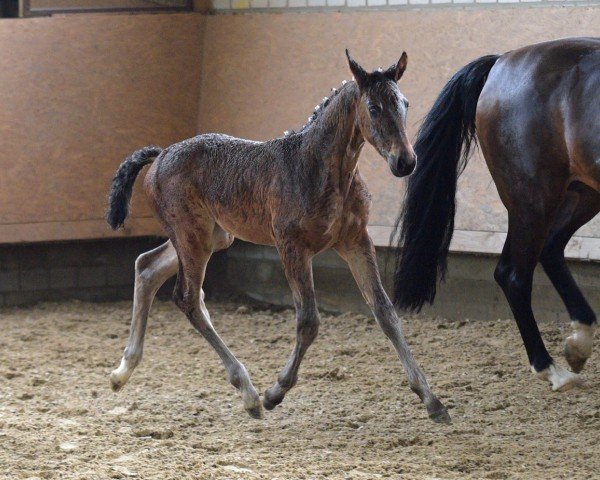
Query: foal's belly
[[250, 229]]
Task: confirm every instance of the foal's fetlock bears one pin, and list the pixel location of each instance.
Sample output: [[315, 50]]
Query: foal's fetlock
[[240, 379], [560, 378], [578, 345]]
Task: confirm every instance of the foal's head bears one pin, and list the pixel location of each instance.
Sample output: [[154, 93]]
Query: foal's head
[[381, 114]]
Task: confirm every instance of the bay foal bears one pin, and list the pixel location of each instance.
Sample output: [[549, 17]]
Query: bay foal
[[302, 193]]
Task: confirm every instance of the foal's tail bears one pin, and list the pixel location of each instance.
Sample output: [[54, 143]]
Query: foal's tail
[[424, 228], [122, 184]]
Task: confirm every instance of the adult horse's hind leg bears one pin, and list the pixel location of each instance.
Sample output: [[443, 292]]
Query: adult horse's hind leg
[[581, 204], [195, 246], [152, 269], [359, 253], [298, 270], [528, 224]]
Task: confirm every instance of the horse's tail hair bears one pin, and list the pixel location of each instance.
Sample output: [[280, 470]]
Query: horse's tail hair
[[425, 225], [122, 184]]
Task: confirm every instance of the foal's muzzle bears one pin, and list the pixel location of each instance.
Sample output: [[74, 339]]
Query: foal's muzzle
[[403, 164]]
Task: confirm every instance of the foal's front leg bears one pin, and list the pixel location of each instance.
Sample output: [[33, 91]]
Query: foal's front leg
[[360, 256], [298, 270]]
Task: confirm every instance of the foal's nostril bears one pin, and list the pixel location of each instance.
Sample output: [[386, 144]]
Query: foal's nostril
[[405, 164]]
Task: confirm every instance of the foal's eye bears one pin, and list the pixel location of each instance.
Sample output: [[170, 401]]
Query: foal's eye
[[374, 110]]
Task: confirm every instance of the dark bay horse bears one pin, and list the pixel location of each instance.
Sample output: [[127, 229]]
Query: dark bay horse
[[536, 111], [301, 192]]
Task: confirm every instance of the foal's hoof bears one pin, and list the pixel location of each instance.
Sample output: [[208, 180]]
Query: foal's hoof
[[252, 403], [117, 382], [560, 378], [271, 400], [268, 404], [441, 416], [256, 412], [438, 413]]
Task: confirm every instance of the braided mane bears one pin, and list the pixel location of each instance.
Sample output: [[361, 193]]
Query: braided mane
[[318, 110]]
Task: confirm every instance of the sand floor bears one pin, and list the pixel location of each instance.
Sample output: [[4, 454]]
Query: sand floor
[[351, 415]]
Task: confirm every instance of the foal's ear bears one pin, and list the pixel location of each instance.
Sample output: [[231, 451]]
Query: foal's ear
[[360, 75], [395, 71]]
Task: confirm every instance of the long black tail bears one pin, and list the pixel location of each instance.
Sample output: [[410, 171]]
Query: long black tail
[[425, 225], [122, 184]]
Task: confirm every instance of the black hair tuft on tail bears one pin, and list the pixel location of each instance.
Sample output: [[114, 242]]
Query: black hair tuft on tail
[[122, 184]]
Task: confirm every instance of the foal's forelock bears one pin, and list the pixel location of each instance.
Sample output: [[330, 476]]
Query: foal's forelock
[[391, 95]]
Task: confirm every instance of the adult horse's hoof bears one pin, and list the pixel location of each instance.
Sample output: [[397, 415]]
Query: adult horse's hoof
[[560, 378], [574, 358], [578, 346]]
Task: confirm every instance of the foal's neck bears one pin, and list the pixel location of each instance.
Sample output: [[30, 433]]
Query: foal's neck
[[334, 137]]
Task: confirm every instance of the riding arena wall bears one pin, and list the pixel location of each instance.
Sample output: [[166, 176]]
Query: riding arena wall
[[81, 92]]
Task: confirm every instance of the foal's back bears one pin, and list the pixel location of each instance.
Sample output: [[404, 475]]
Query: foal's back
[[226, 179]]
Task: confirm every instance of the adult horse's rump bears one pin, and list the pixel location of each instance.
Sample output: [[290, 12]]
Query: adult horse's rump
[[536, 111]]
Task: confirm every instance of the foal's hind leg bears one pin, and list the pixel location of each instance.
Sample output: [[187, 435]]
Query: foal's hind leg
[[298, 270], [152, 269], [360, 255], [581, 204], [194, 251]]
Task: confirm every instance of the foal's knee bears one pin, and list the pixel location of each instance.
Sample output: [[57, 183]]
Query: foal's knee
[[185, 302]]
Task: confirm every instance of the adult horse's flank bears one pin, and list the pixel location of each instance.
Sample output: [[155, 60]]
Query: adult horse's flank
[[536, 111], [301, 193]]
